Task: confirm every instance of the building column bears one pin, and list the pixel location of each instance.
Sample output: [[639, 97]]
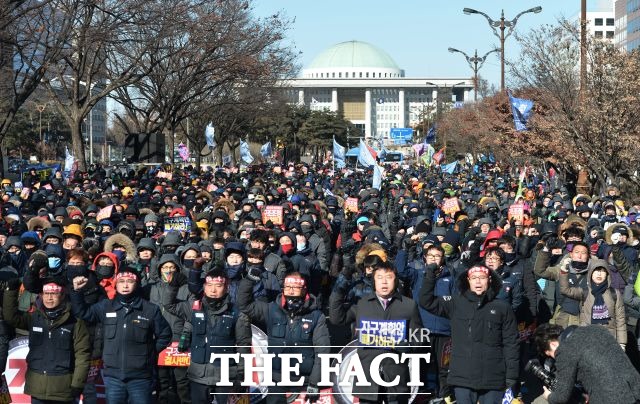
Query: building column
[[467, 96], [334, 100], [401, 104], [367, 113], [434, 99], [301, 97]]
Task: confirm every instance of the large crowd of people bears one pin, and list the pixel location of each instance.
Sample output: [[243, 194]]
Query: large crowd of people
[[495, 262]]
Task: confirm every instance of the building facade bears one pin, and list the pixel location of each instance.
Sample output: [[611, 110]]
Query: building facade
[[363, 83]]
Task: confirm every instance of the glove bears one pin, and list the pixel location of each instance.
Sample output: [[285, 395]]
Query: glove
[[76, 391], [255, 273], [199, 263], [185, 342], [13, 284], [38, 261], [313, 394]]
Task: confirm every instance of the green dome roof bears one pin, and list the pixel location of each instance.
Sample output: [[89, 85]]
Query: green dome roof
[[353, 54]]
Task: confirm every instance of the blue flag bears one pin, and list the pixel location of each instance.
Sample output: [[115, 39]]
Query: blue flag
[[266, 150], [521, 110], [378, 173], [450, 168], [431, 135], [245, 153], [365, 157], [338, 154], [209, 133]]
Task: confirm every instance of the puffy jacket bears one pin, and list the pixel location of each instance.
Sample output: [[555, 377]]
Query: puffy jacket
[[306, 327], [56, 363], [413, 273], [484, 334], [132, 337]]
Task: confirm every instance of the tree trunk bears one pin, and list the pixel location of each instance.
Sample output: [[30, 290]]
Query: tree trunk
[[78, 145]]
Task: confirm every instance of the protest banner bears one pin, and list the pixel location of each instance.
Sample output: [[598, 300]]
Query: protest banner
[[274, 213], [177, 223], [450, 206], [351, 205], [104, 213], [516, 212]]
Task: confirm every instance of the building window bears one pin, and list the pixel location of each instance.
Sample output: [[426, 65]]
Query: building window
[[610, 22], [360, 74], [598, 34], [339, 75], [353, 75], [598, 22], [333, 75], [609, 34], [367, 74]]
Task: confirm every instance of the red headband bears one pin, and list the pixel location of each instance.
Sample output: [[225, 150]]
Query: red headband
[[51, 288], [218, 279], [126, 275], [293, 281], [478, 269]]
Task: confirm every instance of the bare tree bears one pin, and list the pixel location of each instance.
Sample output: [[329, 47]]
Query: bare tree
[[219, 51], [111, 45], [603, 126], [32, 35]]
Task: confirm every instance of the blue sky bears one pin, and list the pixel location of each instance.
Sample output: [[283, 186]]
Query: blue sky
[[416, 33]]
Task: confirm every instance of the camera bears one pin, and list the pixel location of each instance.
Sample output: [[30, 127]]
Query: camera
[[541, 373]]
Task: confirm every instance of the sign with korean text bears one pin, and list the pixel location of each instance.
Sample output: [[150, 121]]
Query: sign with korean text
[[450, 206], [274, 213], [351, 205], [382, 333], [177, 223]]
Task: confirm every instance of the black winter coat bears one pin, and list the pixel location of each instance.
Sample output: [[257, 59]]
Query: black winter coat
[[369, 308], [484, 334], [591, 356]]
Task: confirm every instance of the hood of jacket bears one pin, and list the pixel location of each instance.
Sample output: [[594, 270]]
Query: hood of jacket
[[126, 242]]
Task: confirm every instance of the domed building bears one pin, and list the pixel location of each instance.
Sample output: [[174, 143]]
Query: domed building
[[366, 85]]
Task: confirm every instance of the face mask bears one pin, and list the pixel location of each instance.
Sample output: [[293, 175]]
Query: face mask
[[104, 271], [301, 246], [75, 270], [294, 303], [287, 248], [120, 254], [167, 275], [30, 250], [259, 204], [411, 213], [144, 261], [54, 262], [169, 249], [509, 257], [151, 229], [580, 266], [188, 263], [233, 270]]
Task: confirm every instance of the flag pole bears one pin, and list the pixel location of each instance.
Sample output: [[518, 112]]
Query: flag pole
[[333, 154]]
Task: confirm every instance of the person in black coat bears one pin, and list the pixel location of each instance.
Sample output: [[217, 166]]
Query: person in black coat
[[484, 351], [591, 356], [295, 324], [379, 310]]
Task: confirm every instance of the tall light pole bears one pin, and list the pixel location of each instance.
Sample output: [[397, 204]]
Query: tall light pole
[[473, 62], [583, 47], [41, 108], [439, 104], [501, 25]]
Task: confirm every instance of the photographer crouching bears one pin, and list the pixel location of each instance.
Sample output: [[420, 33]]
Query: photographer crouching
[[590, 356]]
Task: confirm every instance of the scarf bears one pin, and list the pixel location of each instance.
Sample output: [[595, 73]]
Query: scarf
[[599, 311]]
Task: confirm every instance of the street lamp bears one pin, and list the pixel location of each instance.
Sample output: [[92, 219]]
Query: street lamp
[[502, 24], [473, 62], [439, 104]]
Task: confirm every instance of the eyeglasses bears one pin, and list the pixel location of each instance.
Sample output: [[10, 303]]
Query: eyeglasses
[[434, 256], [492, 258], [290, 288]]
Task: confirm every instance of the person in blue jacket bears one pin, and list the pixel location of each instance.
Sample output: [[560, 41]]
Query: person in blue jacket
[[439, 327]]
